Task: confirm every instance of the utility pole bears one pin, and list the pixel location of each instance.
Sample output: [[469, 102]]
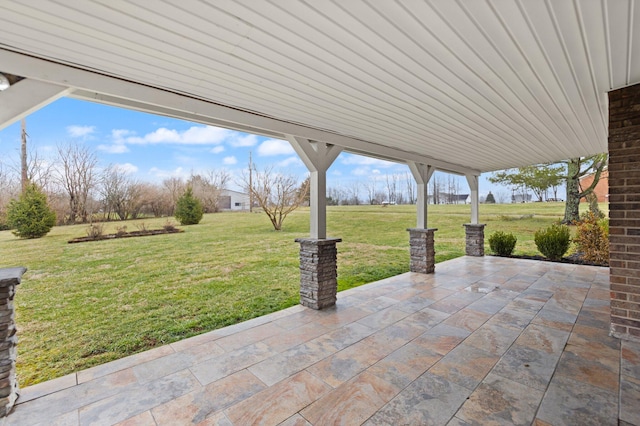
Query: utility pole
[[23, 157], [250, 184]]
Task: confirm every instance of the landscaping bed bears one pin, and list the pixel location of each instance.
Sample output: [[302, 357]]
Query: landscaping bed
[[125, 235]]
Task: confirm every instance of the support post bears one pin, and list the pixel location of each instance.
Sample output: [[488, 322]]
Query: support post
[[318, 272], [318, 254], [318, 157], [422, 174], [474, 239], [421, 238], [422, 250], [474, 231], [9, 279], [475, 202]]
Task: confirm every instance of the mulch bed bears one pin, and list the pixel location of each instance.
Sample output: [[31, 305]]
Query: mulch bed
[[126, 235], [575, 259]]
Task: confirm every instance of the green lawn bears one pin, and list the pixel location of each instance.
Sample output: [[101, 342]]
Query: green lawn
[[84, 304]]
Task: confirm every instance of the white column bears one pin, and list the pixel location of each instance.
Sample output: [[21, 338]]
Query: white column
[[318, 157], [25, 97], [475, 202], [422, 174]]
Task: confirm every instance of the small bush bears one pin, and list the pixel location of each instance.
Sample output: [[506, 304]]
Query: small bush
[[95, 230], [554, 241], [169, 226], [121, 230], [592, 238], [189, 209], [502, 244], [30, 215], [142, 227]]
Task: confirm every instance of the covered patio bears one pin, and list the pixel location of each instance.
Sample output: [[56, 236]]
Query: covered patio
[[486, 340], [464, 87]]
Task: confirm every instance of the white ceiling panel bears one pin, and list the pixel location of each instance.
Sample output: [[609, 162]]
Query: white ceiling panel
[[468, 85]]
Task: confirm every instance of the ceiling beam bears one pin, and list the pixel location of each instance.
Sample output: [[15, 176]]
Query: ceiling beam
[[26, 96], [90, 85]]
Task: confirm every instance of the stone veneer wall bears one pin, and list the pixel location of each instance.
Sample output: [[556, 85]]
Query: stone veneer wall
[[422, 250], [624, 211], [318, 272], [9, 279], [474, 238]]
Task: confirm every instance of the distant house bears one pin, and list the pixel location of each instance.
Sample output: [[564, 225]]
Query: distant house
[[233, 201], [602, 187], [521, 198], [447, 198]]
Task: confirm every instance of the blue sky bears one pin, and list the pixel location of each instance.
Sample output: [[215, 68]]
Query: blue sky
[[152, 148]]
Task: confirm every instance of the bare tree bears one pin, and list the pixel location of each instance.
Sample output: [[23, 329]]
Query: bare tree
[[437, 188], [207, 188], [277, 194], [78, 177], [370, 186], [353, 191], [392, 187], [411, 188], [175, 187]]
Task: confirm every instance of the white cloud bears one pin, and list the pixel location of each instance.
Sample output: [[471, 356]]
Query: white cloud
[[272, 147], [179, 172], [361, 171], [291, 161], [230, 160], [358, 160], [116, 148], [243, 141], [80, 131], [126, 168], [217, 149], [195, 135]]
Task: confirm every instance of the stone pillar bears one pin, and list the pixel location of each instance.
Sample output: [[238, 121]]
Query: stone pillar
[[421, 250], [9, 279], [474, 237], [318, 272], [624, 211]]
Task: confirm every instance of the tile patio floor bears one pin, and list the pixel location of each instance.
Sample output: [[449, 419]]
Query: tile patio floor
[[482, 341]]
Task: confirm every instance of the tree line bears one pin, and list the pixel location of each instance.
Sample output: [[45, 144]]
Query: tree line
[[79, 191]]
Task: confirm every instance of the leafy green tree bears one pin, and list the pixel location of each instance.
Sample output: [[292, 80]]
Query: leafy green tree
[[490, 198], [542, 177], [30, 214], [189, 210], [538, 178]]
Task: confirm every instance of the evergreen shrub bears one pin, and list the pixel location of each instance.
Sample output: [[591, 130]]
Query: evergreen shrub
[[554, 241], [502, 243], [189, 210]]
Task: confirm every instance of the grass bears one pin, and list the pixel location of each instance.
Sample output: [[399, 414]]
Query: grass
[[80, 305]]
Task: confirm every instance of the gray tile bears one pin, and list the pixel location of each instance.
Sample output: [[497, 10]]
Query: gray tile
[[527, 366], [465, 365], [137, 399], [500, 401], [230, 362], [568, 402], [430, 400], [629, 400]]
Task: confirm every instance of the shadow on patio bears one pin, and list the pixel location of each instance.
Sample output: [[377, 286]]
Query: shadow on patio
[[484, 340]]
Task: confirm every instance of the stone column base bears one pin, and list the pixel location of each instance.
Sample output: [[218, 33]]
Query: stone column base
[[318, 272], [422, 251], [474, 239], [9, 279]]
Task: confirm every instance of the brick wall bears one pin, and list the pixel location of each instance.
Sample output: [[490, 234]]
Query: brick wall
[[602, 187], [624, 211]]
